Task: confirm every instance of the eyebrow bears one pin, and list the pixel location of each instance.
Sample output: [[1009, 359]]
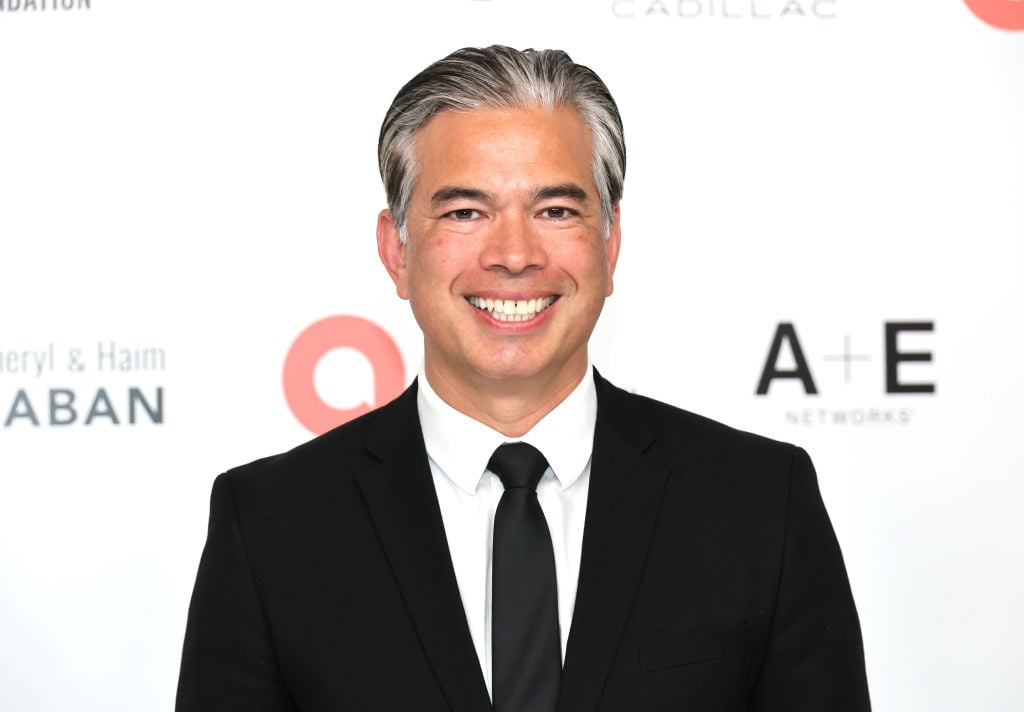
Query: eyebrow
[[563, 190], [454, 192]]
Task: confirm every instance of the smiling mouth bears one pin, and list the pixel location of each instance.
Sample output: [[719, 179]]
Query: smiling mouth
[[511, 310]]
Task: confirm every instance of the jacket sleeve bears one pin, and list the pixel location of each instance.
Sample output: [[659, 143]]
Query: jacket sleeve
[[228, 661], [814, 661]]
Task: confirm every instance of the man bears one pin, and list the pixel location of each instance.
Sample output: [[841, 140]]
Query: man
[[395, 564]]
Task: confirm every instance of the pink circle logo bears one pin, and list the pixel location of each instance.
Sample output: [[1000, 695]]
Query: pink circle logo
[[1004, 14], [326, 335]]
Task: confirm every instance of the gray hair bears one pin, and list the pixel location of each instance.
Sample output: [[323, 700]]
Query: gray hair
[[500, 77]]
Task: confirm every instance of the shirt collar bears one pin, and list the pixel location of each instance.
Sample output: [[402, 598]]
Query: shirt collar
[[461, 446]]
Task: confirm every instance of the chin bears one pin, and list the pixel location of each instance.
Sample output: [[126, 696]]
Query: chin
[[510, 373]]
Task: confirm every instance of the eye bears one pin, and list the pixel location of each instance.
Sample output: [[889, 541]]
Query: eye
[[558, 213], [463, 214]]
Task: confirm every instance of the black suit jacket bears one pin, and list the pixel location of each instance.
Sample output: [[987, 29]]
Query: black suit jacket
[[710, 578]]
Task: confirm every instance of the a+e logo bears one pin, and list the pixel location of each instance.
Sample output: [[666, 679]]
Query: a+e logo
[[785, 336]]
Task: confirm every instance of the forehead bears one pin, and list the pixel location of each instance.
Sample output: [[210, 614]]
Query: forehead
[[502, 142]]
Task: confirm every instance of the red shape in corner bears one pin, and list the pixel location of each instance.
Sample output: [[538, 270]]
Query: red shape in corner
[[331, 333], [1004, 14]]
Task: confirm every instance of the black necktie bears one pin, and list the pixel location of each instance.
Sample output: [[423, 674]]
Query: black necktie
[[526, 657]]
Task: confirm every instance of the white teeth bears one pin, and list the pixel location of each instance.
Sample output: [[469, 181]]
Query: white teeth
[[509, 310]]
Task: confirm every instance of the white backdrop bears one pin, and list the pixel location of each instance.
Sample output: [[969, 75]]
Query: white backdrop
[[186, 186]]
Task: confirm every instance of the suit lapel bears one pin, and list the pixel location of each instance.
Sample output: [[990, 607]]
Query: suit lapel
[[622, 507], [400, 495]]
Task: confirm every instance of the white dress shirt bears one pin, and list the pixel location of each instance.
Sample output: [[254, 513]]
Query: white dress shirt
[[459, 448]]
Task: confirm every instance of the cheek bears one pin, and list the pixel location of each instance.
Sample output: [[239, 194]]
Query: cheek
[[586, 261], [441, 250], [435, 269]]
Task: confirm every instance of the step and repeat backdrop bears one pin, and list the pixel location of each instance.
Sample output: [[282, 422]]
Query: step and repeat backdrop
[[822, 233]]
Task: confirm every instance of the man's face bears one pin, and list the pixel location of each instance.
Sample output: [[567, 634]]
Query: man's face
[[504, 217]]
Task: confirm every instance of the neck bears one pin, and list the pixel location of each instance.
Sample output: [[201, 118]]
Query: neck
[[512, 406]]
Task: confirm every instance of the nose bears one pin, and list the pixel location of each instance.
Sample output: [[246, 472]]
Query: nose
[[513, 244]]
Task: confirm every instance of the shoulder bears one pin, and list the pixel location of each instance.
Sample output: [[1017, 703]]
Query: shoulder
[[729, 474], [675, 435], [333, 458]]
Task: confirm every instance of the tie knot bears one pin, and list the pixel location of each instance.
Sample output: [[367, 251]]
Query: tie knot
[[518, 465]]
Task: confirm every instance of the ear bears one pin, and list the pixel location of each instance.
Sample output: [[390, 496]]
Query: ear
[[392, 251], [611, 247]]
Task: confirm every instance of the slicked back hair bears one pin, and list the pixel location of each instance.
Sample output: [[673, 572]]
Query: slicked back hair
[[499, 77]]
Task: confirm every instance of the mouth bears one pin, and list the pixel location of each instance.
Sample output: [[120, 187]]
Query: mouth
[[512, 310]]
